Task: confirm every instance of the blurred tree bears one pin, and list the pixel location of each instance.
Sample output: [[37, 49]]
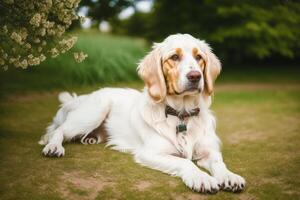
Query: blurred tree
[[136, 25], [257, 28], [105, 9], [236, 29]]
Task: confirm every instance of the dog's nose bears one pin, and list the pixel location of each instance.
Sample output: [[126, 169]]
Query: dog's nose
[[194, 76]]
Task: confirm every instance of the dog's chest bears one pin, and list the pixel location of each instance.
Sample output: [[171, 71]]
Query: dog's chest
[[184, 139]]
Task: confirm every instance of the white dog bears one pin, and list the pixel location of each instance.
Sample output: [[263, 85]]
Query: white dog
[[167, 126]]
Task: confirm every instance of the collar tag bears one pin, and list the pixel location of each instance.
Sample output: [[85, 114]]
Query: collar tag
[[181, 127], [182, 116]]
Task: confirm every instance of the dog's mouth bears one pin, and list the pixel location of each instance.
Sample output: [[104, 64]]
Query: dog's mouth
[[192, 89]]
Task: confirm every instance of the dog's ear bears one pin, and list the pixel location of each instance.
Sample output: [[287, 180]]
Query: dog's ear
[[211, 71], [150, 71], [212, 68]]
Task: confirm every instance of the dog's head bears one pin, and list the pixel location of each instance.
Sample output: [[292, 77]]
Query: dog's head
[[180, 65]]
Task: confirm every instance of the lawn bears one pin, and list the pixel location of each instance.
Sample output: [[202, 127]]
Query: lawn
[[258, 116]]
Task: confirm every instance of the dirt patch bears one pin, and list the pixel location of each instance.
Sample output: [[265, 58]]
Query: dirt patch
[[190, 196], [280, 182], [172, 184], [195, 197], [245, 136], [143, 185], [290, 192], [244, 196], [78, 186], [257, 127]]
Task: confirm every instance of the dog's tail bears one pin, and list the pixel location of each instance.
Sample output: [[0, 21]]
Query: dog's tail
[[65, 97]]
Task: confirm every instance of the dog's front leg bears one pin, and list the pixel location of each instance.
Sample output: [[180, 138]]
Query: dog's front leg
[[227, 180], [191, 175]]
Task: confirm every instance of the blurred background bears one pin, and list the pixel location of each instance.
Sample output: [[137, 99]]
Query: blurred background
[[257, 40], [256, 102]]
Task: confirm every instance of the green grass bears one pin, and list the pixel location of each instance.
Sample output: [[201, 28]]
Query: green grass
[[260, 73], [259, 129], [110, 59], [113, 59], [258, 112]]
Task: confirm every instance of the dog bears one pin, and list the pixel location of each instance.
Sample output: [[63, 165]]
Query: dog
[[168, 126]]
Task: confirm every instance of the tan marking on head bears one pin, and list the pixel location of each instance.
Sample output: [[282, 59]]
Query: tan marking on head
[[171, 74], [179, 52], [195, 51], [211, 71], [201, 62]]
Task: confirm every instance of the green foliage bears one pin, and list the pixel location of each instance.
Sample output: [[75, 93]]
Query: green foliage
[[31, 31], [137, 25], [236, 29], [111, 59], [114, 59], [105, 9], [262, 28]]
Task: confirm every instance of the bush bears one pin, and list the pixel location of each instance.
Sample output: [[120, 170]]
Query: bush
[[111, 59], [33, 30]]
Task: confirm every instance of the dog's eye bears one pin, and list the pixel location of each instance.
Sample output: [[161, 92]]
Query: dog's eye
[[198, 57], [175, 57]]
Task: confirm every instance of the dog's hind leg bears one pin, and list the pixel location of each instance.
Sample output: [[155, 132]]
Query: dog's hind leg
[[79, 122], [59, 118], [95, 137], [68, 102]]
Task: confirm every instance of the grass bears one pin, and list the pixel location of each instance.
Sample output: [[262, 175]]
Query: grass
[[113, 59], [110, 59], [259, 130], [258, 121]]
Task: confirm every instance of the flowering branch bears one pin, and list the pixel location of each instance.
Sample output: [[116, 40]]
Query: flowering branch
[[31, 31]]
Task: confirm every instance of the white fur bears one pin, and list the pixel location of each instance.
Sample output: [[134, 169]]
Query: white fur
[[138, 125]]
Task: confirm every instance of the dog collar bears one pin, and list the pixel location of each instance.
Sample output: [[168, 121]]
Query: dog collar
[[182, 115]]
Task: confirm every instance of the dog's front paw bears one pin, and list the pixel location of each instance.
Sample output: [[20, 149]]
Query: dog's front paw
[[200, 182], [54, 150], [229, 181]]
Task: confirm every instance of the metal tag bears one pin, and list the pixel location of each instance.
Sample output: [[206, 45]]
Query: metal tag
[[181, 127]]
